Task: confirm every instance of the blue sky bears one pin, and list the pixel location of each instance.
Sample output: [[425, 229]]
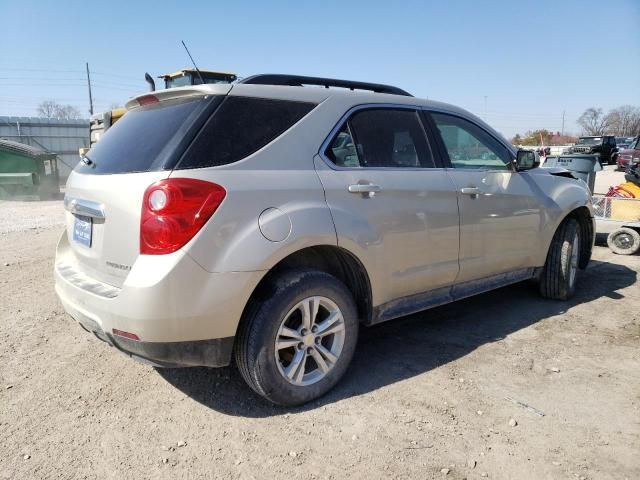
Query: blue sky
[[531, 60]]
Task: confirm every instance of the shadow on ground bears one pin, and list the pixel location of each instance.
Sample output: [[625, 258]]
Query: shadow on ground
[[413, 345]]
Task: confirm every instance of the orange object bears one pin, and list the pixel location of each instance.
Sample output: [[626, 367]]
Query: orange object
[[626, 190]]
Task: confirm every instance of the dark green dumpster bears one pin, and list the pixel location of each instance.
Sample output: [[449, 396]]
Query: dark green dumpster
[[27, 170]]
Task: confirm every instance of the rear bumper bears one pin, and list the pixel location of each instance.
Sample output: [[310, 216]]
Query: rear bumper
[[182, 314], [209, 353]]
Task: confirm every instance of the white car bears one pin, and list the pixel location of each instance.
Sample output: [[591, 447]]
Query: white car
[[268, 220]]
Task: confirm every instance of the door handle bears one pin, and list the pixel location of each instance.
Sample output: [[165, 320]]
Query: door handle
[[470, 191], [364, 188]]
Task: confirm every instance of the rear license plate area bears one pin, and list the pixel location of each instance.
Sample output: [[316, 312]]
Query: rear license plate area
[[82, 230]]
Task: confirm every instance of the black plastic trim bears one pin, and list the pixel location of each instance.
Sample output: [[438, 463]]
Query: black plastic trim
[[198, 353], [441, 296], [300, 80]]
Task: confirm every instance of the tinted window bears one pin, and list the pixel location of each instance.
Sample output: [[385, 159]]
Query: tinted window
[[381, 138], [240, 127], [469, 146], [144, 139], [342, 150]]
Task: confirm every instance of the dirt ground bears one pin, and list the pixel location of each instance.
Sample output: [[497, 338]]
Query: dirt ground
[[608, 177], [428, 396]]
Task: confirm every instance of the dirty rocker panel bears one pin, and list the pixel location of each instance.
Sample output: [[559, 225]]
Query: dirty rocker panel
[[441, 296]]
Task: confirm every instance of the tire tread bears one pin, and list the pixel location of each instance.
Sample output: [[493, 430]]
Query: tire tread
[[554, 281]]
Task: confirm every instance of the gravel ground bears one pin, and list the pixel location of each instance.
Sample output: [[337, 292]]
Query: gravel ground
[[21, 216], [504, 385]]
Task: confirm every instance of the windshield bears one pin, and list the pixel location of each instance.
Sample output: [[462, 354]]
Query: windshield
[[589, 141], [208, 78], [174, 82], [145, 138]]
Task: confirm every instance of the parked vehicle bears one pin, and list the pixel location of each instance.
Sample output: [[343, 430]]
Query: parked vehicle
[[191, 76], [632, 172], [267, 221], [623, 142], [604, 145], [629, 155]]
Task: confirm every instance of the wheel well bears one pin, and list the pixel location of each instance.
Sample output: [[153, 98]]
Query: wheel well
[[585, 222], [335, 261]]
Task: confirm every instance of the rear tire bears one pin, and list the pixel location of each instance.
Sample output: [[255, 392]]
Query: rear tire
[[624, 241], [559, 275], [320, 350]]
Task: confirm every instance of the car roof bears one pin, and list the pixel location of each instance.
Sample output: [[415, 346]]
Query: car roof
[[346, 97], [285, 92]]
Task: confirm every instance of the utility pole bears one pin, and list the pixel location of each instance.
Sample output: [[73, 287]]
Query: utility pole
[[563, 123], [89, 84]]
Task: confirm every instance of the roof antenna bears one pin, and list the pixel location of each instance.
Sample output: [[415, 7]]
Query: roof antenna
[[193, 61]]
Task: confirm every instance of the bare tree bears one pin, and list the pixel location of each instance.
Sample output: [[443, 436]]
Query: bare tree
[[47, 109], [624, 121], [593, 122], [52, 109], [68, 112]]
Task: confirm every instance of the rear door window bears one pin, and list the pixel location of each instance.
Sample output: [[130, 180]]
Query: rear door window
[[240, 127], [381, 138], [146, 138]]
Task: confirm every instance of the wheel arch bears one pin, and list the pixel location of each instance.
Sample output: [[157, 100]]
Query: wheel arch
[[585, 222], [336, 261]]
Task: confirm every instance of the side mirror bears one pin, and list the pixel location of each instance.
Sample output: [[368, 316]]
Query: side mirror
[[526, 160]]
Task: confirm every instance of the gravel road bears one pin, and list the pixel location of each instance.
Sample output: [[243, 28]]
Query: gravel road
[[504, 385], [22, 216]]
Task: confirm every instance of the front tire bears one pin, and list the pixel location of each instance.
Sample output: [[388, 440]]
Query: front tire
[[559, 275], [295, 345]]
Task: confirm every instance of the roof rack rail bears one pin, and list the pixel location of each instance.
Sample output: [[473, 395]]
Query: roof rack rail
[[299, 81]]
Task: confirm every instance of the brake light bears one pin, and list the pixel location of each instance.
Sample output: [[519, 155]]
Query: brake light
[[174, 210], [148, 100]]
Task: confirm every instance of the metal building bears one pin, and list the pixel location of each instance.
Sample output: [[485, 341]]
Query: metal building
[[62, 137]]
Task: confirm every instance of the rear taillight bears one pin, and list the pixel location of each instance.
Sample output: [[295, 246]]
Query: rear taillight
[[174, 210]]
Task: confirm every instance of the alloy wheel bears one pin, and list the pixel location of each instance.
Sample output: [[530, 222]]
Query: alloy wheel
[[310, 340]]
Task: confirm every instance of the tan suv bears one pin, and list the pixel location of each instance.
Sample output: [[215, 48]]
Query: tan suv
[[267, 220]]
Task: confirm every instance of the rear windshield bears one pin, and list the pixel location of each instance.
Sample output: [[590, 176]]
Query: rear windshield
[[147, 138], [241, 126]]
